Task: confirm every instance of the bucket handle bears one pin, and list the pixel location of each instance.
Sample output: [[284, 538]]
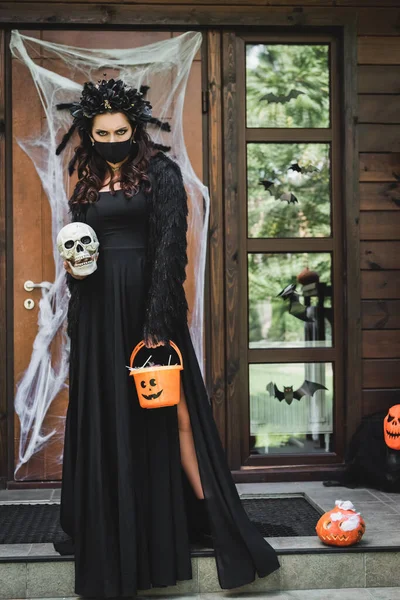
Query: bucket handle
[[141, 344]]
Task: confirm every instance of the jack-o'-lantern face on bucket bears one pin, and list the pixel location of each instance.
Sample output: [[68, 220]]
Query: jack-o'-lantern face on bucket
[[391, 427], [152, 388]]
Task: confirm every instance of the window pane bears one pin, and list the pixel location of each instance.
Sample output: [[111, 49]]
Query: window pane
[[288, 190], [287, 312], [287, 85], [282, 419]]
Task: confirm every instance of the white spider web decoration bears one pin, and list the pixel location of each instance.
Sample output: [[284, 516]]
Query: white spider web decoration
[[165, 67]]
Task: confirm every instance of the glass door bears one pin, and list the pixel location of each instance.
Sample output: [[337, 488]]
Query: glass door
[[289, 235]]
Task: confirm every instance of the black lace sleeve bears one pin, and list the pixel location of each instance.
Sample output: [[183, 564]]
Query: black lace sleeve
[[77, 214], [167, 306]]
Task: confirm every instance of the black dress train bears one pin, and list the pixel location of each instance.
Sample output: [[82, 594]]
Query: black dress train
[[125, 499]]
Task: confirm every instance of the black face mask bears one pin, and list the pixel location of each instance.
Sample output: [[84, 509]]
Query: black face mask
[[115, 152]]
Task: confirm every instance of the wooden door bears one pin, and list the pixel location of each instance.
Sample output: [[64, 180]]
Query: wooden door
[[32, 250]]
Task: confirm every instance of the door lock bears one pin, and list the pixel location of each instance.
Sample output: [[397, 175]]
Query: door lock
[[29, 303]]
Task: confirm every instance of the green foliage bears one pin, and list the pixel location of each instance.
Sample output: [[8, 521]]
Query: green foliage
[[281, 70], [287, 86], [270, 217]]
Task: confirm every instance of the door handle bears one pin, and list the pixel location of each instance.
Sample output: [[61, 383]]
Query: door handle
[[29, 285]]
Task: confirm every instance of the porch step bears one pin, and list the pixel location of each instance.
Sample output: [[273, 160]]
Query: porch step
[[37, 571], [49, 577]]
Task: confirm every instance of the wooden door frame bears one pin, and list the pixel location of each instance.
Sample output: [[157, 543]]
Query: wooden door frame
[[38, 15], [7, 382], [236, 403], [6, 264]]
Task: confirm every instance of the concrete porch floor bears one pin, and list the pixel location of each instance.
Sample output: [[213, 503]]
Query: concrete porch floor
[[371, 567], [380, 510], [333, 594]]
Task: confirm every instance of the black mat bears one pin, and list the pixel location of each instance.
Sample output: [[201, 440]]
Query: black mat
[[282, 517], [273, 517]]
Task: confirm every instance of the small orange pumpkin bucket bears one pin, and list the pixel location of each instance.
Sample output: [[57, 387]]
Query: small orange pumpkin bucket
[[157, 386]]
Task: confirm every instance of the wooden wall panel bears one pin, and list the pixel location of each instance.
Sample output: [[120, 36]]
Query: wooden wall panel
[[373, 79], [381, 373], [374, 400], [381, 344], [379, 138], [379, 167], [380, 255], [380, 314], [379, 135], [380, 225], [378, 108], [377, 50], [380, 284], [379, 196]]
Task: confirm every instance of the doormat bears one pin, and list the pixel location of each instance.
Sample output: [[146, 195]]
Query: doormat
[[282, 517], [273, 517]]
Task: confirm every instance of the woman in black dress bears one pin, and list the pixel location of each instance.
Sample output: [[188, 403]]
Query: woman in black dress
[[139, 485]]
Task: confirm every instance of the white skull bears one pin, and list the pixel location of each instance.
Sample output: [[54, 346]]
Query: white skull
[[78, 244]]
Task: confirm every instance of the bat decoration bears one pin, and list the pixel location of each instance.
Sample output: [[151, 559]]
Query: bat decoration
[[298, 169], [307, 388], [288, 197], [274, 99], [296, 308], [267, 184], [285, 197]]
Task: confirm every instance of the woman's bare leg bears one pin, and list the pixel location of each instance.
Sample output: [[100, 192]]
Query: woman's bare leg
[[188, 452]]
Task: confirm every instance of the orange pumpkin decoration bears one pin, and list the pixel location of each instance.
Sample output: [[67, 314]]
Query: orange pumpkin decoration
[[157, 386], [342, 526], [391, 427]]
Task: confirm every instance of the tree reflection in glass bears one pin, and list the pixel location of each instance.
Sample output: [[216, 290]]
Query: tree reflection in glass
[[279, 172], [287, 85]]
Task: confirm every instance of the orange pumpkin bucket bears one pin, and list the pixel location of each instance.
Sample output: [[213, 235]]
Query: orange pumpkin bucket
[[157, 386]]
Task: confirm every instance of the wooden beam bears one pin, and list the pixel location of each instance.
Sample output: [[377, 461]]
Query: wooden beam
[[3, 279], [224, 4], [124, 14], [232, 243], [364, 3], [351, 202], [216, 233]]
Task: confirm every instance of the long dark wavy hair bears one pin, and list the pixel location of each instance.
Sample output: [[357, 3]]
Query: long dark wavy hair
[[92, 168]]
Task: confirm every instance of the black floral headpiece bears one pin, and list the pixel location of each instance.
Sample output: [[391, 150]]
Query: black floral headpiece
[[109, 95]]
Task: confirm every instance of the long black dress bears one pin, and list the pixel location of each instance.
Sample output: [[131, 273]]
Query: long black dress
[[125, 498]]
